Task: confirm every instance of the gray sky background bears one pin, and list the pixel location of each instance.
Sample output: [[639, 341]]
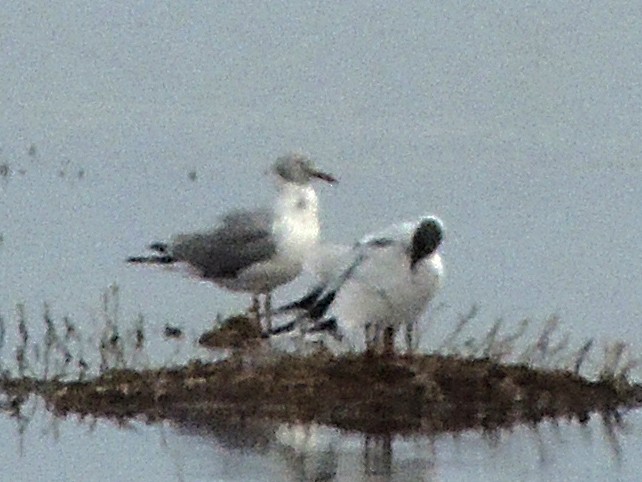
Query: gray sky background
[[519, 125], [517, 122]]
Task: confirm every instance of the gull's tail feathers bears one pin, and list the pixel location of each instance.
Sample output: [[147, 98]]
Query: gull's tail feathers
[[164, 259], [164, 255]]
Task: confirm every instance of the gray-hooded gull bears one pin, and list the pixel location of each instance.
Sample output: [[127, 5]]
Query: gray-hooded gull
[[257, 250]]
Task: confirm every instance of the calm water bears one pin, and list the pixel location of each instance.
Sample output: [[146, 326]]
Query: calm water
[[519, 126], [51, 449]]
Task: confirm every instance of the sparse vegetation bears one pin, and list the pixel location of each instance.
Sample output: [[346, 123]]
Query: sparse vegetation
[[484, 383], [234, 332], [5, 170], [62, 169]]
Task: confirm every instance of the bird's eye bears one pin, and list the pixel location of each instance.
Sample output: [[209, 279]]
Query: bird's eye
[[301, 203]]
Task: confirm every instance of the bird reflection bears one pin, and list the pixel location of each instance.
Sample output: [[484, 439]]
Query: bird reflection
[[309, 451], [377, 455], [320, 453]]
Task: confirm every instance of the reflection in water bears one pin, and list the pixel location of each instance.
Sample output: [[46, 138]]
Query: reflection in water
[[316, 452], [308, 450], [377, 455], [241, 434], [250, 449], [612, 424], [304, 452], [22, 411]]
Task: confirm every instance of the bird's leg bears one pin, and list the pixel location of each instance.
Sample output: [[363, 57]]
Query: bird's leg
[[378, 337], [370, 339], [254, 310], [388, 341], [410, 331], [268, 312]]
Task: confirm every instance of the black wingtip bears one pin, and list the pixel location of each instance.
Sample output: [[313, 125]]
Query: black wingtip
[[136, 259], [321, 306], [304, 303], [330, 326]]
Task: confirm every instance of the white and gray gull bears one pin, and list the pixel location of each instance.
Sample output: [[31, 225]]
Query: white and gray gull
[[387, 282], [257, 250]]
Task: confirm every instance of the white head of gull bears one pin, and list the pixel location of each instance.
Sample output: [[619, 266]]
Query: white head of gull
[[257, 250]]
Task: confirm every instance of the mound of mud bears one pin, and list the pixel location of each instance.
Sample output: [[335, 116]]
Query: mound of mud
[[420, 394], [235, 332]]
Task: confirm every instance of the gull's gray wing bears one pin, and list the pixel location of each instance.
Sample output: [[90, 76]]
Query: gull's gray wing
[[242, 239]]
